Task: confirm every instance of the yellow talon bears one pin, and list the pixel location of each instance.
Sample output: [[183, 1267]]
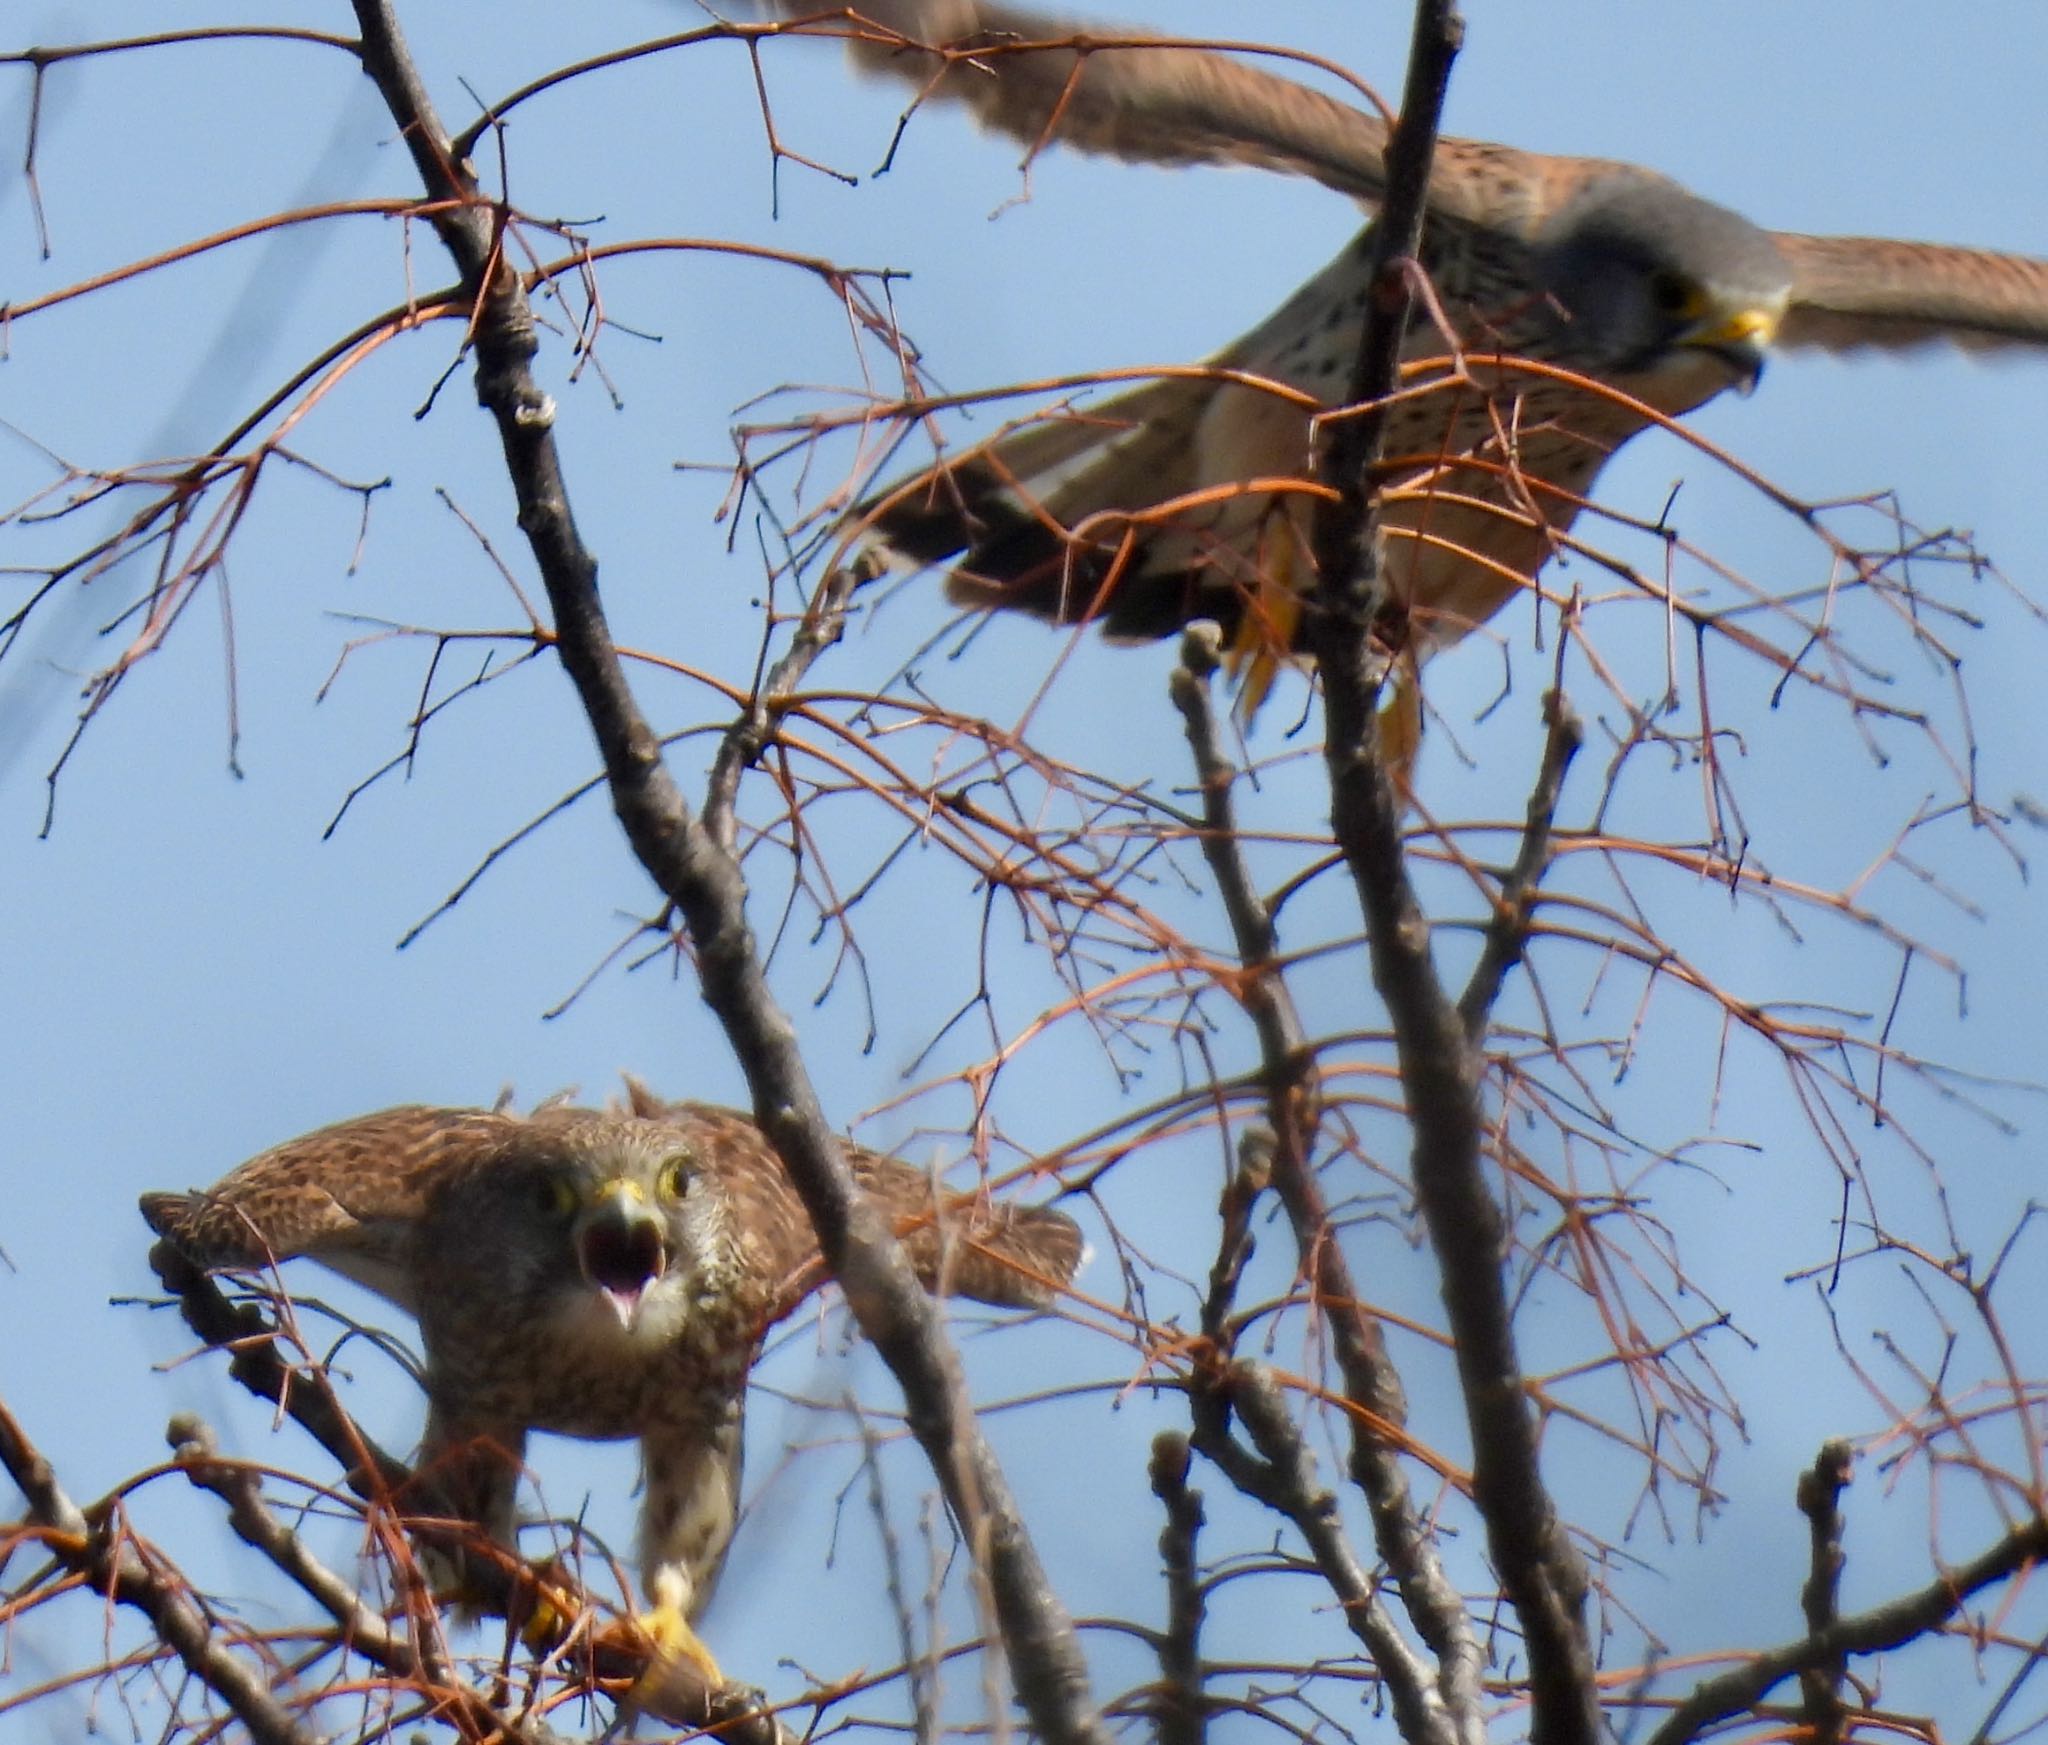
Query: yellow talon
[[547, 1622], [1265, 633], [1400, 726], [667, 1627]]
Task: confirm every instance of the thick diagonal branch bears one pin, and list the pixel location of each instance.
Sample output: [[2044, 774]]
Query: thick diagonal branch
[[704, 883], [362, 1628], [1440, 1066], [1281, 1475]]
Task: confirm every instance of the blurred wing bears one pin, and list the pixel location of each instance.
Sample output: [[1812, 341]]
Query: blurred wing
[[1855, 291], [348, 1196], [1146, 103]]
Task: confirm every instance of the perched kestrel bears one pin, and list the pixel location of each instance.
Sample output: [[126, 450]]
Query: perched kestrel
[[1583, 298], [592, 1273]]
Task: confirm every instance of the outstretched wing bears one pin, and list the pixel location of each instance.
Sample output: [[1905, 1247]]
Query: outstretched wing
[[1128, 94], [1131, 95], [348, 1196], [1854, 291]]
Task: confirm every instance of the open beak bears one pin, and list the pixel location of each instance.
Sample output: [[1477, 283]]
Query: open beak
[[1741, 339], [620, 1247]]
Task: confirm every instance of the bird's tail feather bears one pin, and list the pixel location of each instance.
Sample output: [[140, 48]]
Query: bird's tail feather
[[1038, 521]]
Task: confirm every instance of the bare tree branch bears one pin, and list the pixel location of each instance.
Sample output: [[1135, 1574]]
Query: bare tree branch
[[123, 1567], [1371, 1382], [1507, 935], [690, 868], [363, 1630], [1183, 1712], [1820, 1495], [1440, 1070], [1891, 1625], [198, 1456], [1281, 1474]]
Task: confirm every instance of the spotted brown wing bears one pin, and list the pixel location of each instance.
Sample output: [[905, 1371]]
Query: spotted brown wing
[[349, 1196], [1850, 292]]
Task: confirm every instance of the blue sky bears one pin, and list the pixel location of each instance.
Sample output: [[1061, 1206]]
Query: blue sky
[[192, 967]]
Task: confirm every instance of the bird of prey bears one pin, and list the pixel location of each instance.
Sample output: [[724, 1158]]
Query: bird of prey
[[596, 1273], [1579, 301]]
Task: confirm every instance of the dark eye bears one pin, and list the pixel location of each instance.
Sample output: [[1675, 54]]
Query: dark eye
[[672, 1180], [555, 1195], [1674, 294]]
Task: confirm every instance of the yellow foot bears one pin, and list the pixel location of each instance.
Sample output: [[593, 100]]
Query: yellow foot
[[551, 1613], [676, 1644], [681, 1679], [1265, 635], [1400, 728]]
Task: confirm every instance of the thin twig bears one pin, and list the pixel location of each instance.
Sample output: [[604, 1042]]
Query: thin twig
[[1507, 935], [751, 733]]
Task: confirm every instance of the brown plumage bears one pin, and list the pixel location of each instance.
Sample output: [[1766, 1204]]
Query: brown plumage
[[1174, 500], [597, 1273]]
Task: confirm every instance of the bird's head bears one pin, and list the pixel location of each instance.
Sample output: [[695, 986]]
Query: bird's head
[[1663, 293], [634, 1233]]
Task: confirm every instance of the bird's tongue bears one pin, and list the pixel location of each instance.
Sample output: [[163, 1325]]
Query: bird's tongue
[[622, 1263]]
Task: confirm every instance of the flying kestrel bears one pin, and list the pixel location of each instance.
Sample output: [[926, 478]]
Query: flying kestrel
[[592, 1273], [1583, 298]]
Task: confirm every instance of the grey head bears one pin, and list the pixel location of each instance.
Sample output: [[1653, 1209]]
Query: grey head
[[1646, 278]]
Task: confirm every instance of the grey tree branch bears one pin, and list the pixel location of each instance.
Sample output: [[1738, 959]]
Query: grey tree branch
[[198, 1456], [690, 868], [1820, 1497], [1541, 1573], [1371, 1382], [101, 1548], [363, 1630], [745, 740], [1884, 1627], [1281, 1474], [1183, 1710]]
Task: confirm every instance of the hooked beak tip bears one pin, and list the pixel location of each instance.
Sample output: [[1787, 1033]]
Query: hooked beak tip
[[1742, 341]]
